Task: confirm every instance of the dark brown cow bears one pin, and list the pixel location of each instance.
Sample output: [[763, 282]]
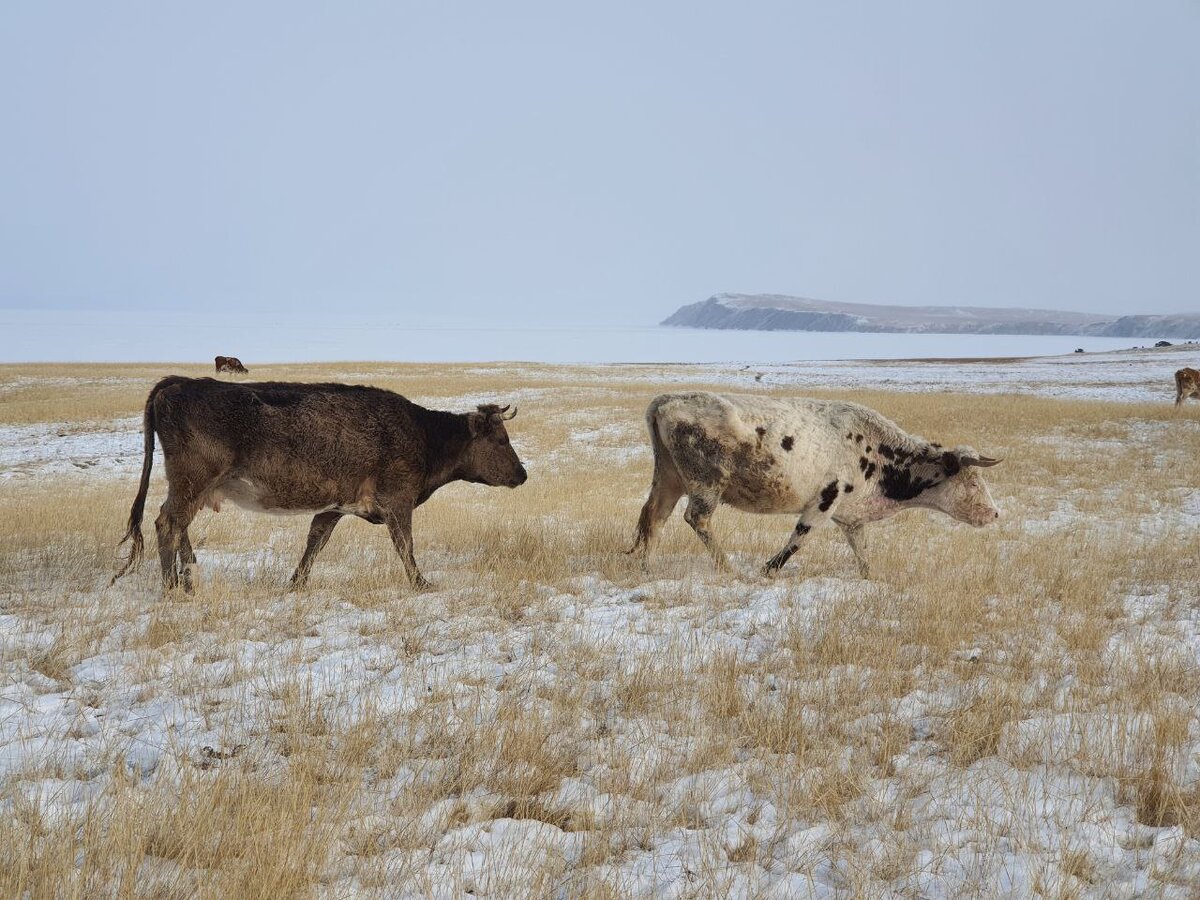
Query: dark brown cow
[[1187, 384], [230, 364], [327, 450]]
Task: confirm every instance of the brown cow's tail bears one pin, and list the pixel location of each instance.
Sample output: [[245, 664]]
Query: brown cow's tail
[[1179, 387], [133, 531]]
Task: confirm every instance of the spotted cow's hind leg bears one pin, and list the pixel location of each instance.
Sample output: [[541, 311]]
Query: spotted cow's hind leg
[[698, 514], [665, 491], [858, 543]]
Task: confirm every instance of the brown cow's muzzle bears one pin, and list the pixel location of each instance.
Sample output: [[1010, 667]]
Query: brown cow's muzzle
[[521, 477]]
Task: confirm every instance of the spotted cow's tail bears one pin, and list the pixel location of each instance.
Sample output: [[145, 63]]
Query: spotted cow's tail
[[665, 487]]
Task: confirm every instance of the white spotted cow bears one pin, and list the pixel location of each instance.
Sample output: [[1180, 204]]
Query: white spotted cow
[[821, 460]]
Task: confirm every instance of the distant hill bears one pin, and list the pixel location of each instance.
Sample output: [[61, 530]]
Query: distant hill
[[776, 312]]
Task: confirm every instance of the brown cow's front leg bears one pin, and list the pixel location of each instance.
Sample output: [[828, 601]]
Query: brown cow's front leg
[[399, 523], [318, 537]]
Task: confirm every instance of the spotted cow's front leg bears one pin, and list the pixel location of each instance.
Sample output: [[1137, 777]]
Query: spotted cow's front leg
[[815, 513]]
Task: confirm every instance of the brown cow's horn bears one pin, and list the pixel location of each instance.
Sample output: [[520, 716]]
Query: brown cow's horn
[[510, 415], [983, 461]]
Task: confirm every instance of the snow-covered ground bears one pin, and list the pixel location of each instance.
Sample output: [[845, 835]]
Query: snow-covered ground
[[1141, 376], [1124, 375], [153, 695]]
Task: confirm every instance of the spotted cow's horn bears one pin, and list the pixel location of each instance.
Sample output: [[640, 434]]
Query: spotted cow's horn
[[983, 461]]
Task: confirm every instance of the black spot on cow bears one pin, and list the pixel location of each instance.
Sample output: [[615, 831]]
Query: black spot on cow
[[886, 451], [905, 482], [828, 495], [760, 430], [862, 463], [868, 450], [950, 464], [848, 488], [858, 439], [787, 442], [849, 435], [870, 472], [802, 529]]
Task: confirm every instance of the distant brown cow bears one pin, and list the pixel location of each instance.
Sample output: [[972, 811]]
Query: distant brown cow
[[326, 450], [1187, 384], [230, 364]]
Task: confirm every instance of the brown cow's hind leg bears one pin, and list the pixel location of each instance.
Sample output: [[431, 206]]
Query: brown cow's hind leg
[[187, 560], [318, 537], [171, 526]]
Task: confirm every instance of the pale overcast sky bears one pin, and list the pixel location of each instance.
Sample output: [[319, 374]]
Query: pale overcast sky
[[561, 162]]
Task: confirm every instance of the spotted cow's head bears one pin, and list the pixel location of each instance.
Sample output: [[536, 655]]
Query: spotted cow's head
[[962, 493]]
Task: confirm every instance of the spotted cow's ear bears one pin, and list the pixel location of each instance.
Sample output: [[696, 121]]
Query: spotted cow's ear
[[952, 463]]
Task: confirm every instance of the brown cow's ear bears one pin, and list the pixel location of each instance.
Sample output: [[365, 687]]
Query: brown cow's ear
[[479, 423]]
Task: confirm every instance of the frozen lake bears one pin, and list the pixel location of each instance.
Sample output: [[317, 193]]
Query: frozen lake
[[84, 336]]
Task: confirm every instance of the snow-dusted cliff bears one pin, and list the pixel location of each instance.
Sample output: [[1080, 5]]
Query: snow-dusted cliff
[[775, 312]]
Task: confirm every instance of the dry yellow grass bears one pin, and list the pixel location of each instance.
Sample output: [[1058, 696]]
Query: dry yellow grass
[[363, 738]]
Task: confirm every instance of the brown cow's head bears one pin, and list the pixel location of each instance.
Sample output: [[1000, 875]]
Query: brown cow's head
[[489, 458], [964, 495]]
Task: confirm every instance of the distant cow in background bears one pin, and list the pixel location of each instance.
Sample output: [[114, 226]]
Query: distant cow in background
[[325, 450], [1187, 384], [230, 364], [822, 460]]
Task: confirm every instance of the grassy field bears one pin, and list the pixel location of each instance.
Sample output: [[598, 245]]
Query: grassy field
[[1016, 705]]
